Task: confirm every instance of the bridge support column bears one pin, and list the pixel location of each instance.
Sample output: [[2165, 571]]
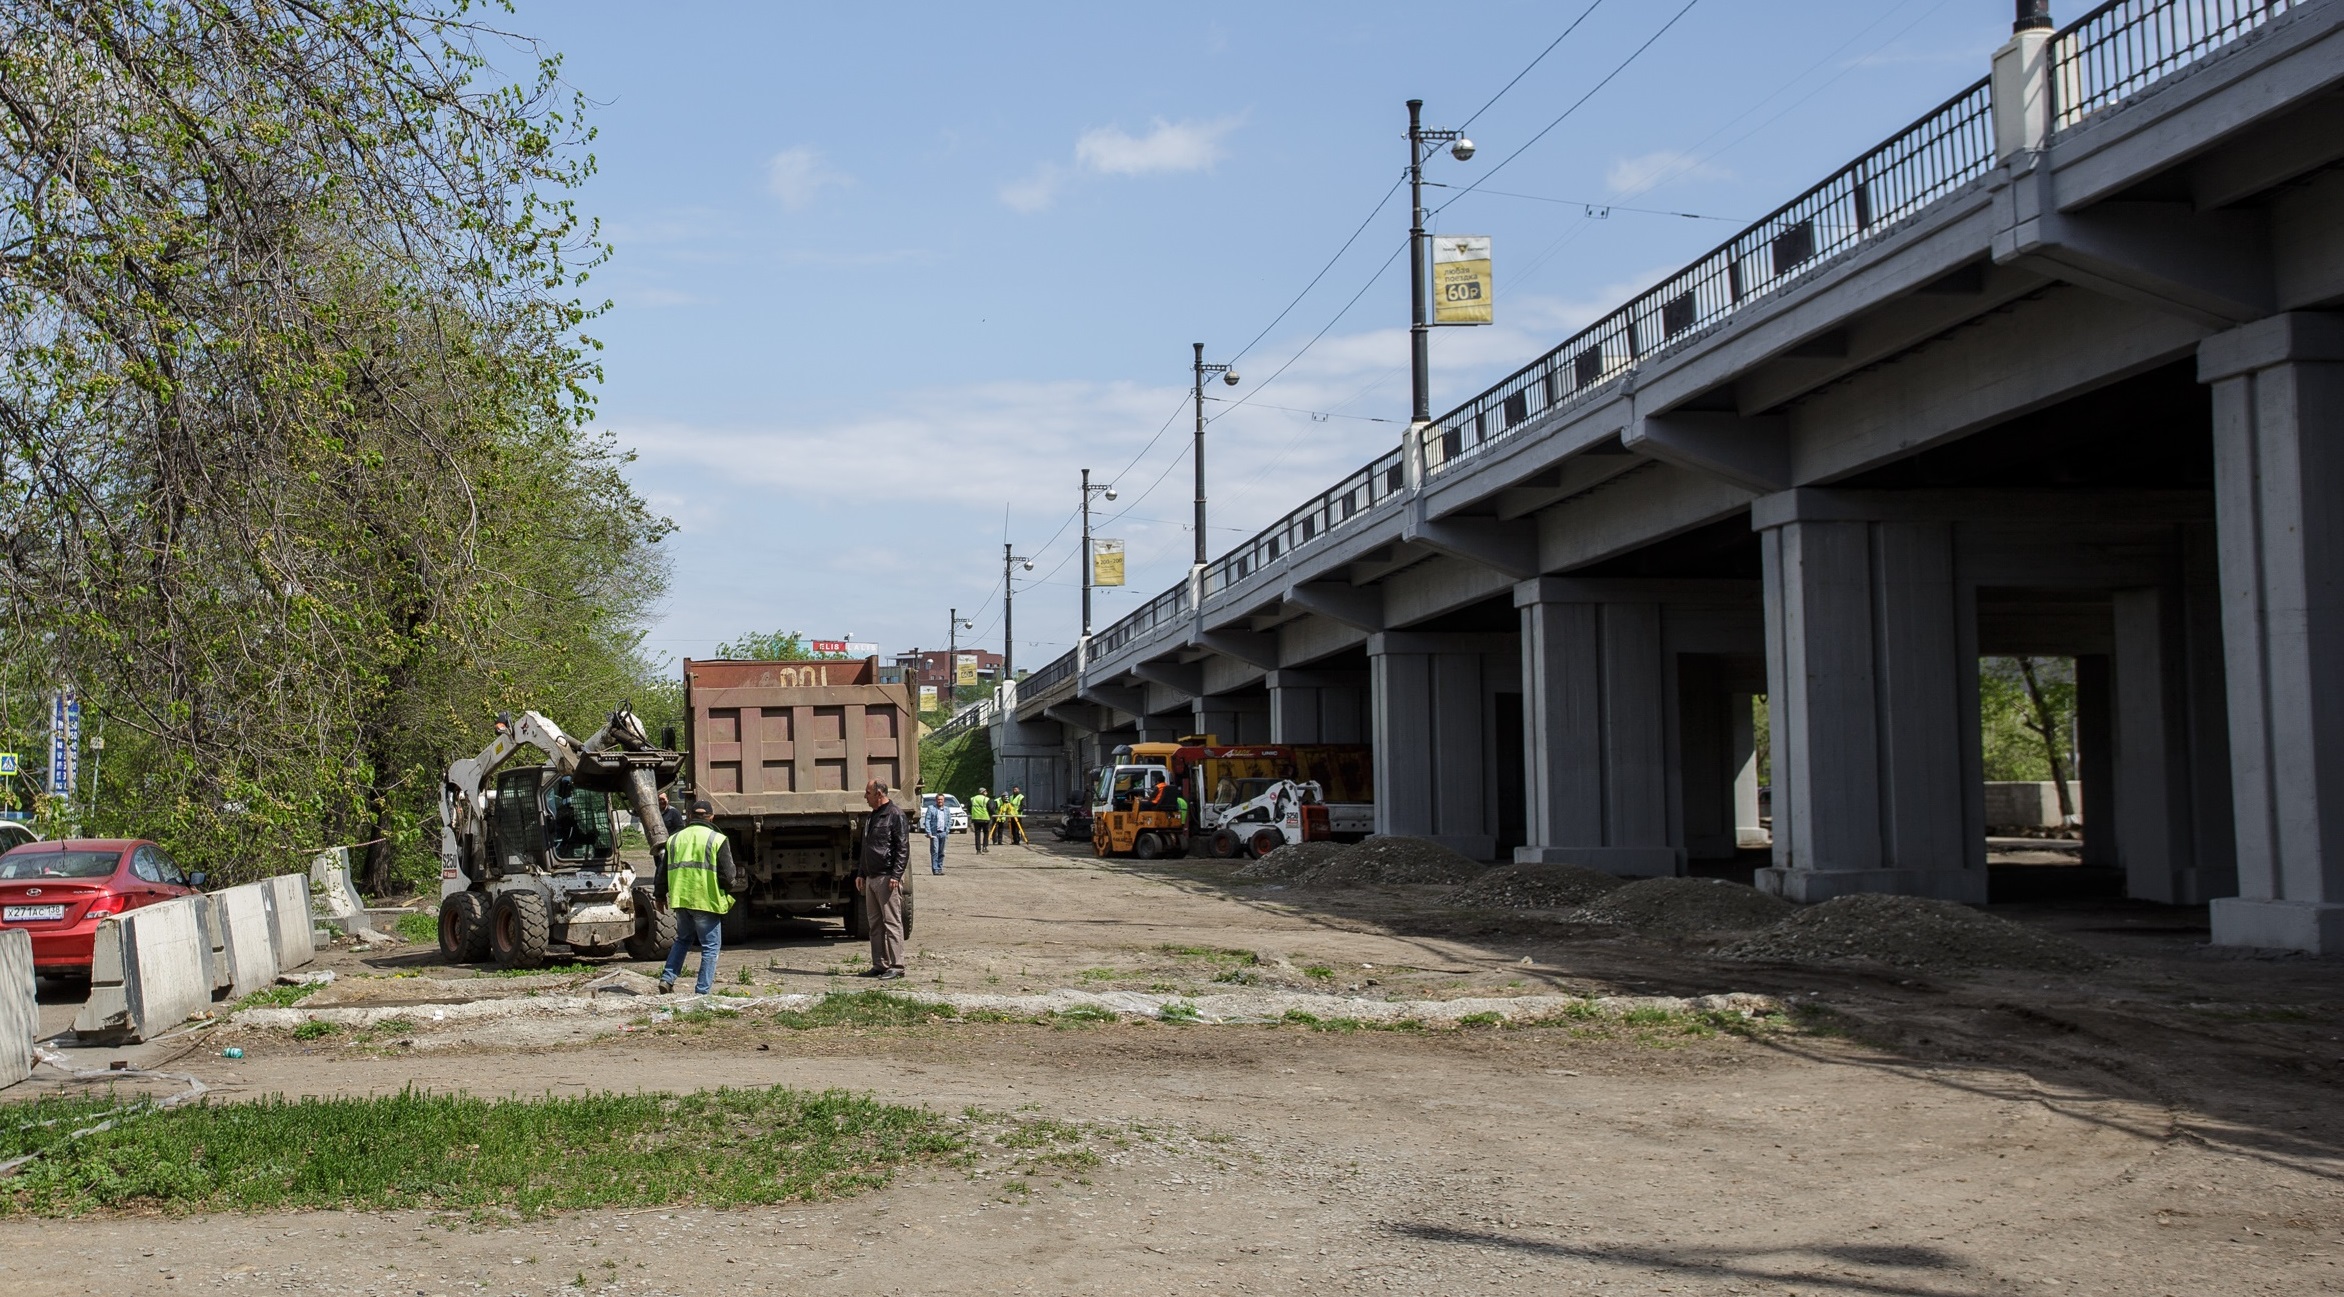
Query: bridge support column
[[1595, 717], [1318, 707], [2278, 475], [1436, 757], [1872, 691], [1232, 720]]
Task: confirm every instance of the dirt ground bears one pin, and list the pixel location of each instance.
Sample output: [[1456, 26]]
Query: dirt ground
[[2167, 1125]]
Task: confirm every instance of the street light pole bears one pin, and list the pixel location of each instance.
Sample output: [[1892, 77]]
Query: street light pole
[[1419, 330], [1009, 560], [1108, 490], [1228, 376]]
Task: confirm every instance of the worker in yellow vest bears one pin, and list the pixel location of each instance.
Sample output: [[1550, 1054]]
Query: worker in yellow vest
[[1017, 815], [697, 880], [980, 819]]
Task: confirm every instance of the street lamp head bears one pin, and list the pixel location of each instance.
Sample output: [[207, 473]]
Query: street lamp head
[[1110, 493], [1229, 377], [1462, 149], [1029, 565]]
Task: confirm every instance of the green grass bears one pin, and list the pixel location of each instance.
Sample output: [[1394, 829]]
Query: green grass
[[1318, 971], [865, 1009], [422, 928], [276, 997], [1098, 974], [1083, 1014], [315, 1030], [543, 971], [1178, 1011], [458, 1153]]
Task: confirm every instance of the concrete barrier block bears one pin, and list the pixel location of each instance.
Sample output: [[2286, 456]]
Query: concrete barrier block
[[214, 927], [289, 920], [334, 892], [20, 1012], [153, 974], [2027, 803], [250, 942]]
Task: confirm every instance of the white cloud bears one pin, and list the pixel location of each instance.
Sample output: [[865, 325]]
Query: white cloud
[[1630, 176], [1037, 191], [799, 175], [1167, 148], [1170, 147]]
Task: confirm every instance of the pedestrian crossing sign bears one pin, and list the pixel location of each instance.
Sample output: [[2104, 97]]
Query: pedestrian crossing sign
[[7, 763]]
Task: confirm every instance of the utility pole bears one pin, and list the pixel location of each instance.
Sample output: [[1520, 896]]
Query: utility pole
[[1228, 376], [1107, 490], [952, 632], [1009, 560], [1419, 331]]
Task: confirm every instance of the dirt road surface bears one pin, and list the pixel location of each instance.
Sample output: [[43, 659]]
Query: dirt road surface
[[2169, 1125]]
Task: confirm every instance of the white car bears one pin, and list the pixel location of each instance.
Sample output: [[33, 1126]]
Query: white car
[[957, 813], [15, 833]]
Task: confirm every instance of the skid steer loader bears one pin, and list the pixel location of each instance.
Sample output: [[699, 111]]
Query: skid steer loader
[[529, 858]]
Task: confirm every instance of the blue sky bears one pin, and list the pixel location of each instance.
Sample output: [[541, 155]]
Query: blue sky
[[887, 277]]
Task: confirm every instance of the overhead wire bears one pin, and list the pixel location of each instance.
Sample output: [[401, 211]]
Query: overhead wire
[[1550, 48], [1608, 77]]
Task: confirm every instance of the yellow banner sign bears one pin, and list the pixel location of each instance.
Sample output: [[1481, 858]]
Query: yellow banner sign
[[927, 698], [1462, 287], [966, 672], [1106, 561]]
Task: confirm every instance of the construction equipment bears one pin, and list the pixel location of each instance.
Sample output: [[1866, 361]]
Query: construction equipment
[[1125, 819], [781, 751], [1274, 814], [1217, 779], [528, 856]]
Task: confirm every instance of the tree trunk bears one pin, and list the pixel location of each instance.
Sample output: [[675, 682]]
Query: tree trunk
[[2047, 727]]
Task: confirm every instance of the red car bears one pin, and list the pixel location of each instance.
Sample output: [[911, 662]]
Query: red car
[[58, 891]]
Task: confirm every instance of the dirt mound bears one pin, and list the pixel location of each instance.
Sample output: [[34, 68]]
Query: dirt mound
[[1912, 932], [1288, 864], [1394, 860], [1534, 887], [1681, 906]]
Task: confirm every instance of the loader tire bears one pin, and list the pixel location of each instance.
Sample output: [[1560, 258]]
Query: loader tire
[[1224, 844], [1147, 846], [463, 928], [655, 927], [519, 930], [1264, 841]]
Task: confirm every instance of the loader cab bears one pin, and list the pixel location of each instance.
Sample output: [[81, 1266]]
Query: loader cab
[[540, 821], [1123, 787]]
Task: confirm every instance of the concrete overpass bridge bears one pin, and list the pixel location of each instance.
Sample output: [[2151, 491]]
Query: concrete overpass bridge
[[2057, 369]]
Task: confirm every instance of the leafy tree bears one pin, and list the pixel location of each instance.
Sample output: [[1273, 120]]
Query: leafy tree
[[2026, 714], [294, 401], [776, 646]]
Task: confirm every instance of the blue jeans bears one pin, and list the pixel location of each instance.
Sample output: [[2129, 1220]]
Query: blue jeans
[[936, 852], [696, 928]]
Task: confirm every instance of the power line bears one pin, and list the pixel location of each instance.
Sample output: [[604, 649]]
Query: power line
[[1550, 48], [1315, 414], [1373, 212], [1592, 91], [1596, 209]]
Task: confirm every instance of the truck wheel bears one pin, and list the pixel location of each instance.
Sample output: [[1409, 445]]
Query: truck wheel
[[519, 930], [463, 928], [907, 907], [1147, 846], [1265, 841], [858, 923], [1224, 844], [655, 927]]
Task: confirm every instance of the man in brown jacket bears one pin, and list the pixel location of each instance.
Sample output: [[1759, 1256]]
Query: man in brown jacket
[[887, 851]]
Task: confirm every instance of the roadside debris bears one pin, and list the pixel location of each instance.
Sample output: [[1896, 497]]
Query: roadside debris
[[1535, 887], [1684, 906], [1912, 932]]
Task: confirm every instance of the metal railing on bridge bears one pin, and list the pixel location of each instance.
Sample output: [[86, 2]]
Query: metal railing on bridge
[[2123, 47], [2103, 58]]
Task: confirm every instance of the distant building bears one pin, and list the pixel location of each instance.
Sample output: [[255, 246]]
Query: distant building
[[934, 669]]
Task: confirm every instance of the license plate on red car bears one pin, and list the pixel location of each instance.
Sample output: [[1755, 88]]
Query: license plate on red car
[[16, 913]]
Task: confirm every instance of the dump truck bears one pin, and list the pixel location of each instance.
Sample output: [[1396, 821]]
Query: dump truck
[[781, 751]]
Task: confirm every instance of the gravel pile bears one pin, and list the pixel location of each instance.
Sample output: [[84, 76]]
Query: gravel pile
[[1534, 887], [1683, 906], [1394, 860], [1291, 863], [1912, 932]]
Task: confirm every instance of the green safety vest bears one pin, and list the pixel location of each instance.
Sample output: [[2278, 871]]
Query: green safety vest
[[691, 870], [980, 807], [1017, 806]]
